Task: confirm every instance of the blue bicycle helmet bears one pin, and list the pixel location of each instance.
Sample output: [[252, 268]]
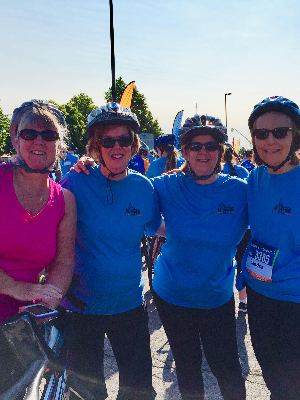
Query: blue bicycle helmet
[[202, 125], [112, 114], [278, 104], [165, 141]]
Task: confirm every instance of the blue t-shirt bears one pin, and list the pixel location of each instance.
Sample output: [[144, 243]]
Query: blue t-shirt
[[242, 173], [157, 167], [68, 163], [274, 215], [204, 223], [107, 250]]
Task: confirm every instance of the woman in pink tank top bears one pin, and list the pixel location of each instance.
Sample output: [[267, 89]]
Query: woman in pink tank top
[[38, 219]]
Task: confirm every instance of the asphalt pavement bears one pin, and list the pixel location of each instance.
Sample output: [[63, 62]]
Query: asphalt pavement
[[164, 374]]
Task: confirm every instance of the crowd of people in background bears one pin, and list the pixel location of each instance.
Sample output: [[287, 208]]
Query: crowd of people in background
[[216, 209]]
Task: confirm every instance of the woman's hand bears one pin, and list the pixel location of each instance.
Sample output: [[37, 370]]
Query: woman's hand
[[173, 171], [82, 165], [47, 294]]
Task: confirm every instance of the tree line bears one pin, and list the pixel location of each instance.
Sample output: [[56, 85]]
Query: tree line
[[76, 112]]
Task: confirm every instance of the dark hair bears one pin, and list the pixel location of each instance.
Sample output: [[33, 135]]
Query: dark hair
[[172, 155], [94, 147]]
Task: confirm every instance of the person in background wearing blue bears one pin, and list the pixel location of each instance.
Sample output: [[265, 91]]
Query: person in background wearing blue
[[247, 160], [115, 206], [168, 156], [194, 273], [70, 159], [139, 162], [271, 265], [230, 167]]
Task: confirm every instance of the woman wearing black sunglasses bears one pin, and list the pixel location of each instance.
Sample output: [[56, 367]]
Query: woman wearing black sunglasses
[[205, 216], [271, 263], [37, 217], [115, 206]]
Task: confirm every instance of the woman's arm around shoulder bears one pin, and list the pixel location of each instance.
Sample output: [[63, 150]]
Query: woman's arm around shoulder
[[60, 271]]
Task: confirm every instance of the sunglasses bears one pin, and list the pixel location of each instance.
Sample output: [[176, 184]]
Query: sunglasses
[[109, 142], [278, 133], [209, 146], [31, 134]]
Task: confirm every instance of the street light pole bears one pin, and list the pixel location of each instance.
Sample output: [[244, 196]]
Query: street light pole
[[226, 94]]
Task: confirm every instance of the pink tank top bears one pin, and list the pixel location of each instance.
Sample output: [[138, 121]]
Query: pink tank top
[[27, 243]]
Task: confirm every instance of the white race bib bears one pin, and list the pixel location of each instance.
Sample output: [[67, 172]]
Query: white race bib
[[260, 260]]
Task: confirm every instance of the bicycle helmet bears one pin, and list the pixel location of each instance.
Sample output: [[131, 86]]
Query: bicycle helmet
[[228, 148], [144, 147], [282, 105], [14, 124], [165, 141], [202, 125], [111, 114], [278, 104]]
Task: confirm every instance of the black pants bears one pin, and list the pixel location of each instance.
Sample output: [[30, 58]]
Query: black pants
[[217, 329], [128, 334], [275, 334]]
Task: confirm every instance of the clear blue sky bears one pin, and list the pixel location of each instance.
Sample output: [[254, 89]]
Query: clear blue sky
[[179, 53]]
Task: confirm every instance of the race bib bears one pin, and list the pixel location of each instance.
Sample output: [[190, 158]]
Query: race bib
[[260, 261]]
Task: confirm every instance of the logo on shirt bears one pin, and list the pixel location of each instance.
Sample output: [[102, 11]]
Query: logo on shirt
[[281, 209], [132, 211], [223, 209]]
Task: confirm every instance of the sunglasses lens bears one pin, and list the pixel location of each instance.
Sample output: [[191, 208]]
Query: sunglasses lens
[[280, 133], [261, 134], [49, 136], [195, 146], [212, 146], [31, 134], [125, 141], [209, 146], [28, 134], [108, 142]]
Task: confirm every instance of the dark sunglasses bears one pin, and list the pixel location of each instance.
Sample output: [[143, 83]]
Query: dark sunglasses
[[278, 133], [109, 142], [31, 134], [209, 146]]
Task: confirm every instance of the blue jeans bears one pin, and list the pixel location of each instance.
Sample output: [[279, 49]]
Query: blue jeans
[[129, 337], [216, 328]]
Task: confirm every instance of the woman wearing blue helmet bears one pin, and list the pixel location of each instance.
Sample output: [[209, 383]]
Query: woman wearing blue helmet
[[194, 273], [168, 156], [111, 223], [271, 264]]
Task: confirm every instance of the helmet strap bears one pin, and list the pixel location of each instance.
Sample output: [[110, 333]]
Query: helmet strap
[[22, 164], [275, 169], [196, 177], [108, 184]]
